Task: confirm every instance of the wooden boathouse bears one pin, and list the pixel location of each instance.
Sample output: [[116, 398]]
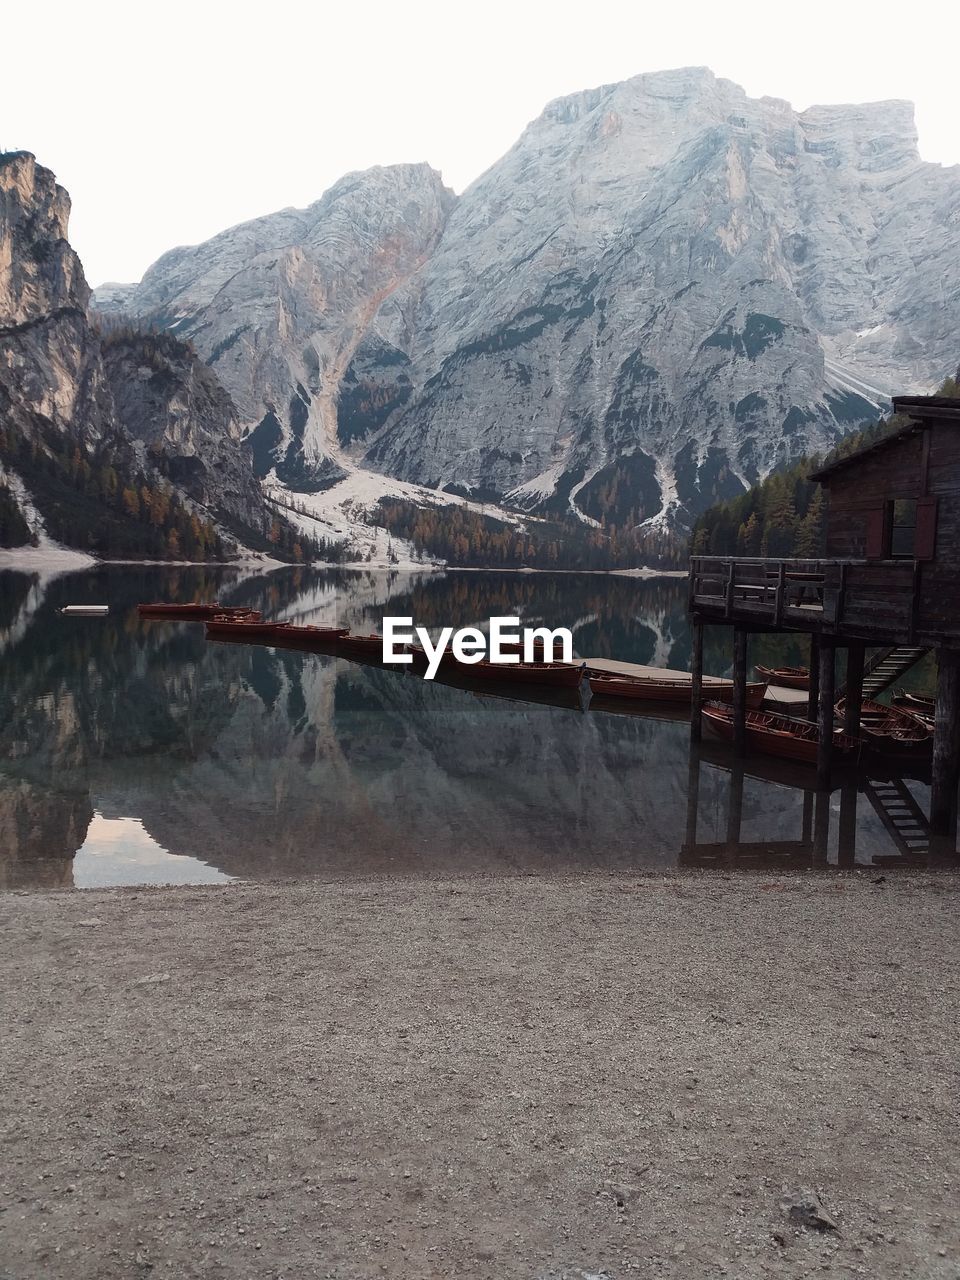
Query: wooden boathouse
[[890, 580]]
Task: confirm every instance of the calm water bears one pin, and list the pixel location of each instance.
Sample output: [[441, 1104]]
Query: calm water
[[138, 753]]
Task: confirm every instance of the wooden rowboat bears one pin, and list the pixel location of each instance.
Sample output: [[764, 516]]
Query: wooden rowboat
[[243, 629], [487, 690], [924, 717], [918, 703], [789, 677], [777, 735], [539, 650], [652, 689], [891, 728], [360, 646], [196, 612], [305, 636], [556, 675]]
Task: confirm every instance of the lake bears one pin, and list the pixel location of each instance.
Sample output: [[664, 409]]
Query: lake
[[136, 752]]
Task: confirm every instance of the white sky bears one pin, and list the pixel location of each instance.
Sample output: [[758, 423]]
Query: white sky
[[168, 122]]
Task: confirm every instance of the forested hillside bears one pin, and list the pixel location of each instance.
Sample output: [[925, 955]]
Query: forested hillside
[[103, 505], [464, 537], [14, 530]]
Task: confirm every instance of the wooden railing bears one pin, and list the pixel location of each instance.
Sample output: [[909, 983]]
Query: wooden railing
[[819, 595]]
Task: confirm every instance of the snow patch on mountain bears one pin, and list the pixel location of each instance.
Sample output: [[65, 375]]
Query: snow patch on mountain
[[342, 514]]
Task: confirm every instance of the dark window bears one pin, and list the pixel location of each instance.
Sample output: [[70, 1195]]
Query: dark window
[[903, 528]]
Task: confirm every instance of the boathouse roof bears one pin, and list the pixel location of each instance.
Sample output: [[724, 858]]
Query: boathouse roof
[[922, 410]]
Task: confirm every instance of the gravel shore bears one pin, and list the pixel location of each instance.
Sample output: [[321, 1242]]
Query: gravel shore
[[530, 1077]]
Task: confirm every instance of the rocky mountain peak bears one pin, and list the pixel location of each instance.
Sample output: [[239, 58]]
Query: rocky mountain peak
[[277, 306], [872, 137], [667, 287], [39, 272]]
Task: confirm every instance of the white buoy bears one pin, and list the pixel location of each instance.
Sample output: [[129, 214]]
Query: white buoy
[[87, 610]]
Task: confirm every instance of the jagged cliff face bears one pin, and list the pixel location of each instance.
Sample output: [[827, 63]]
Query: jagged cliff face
[[50, 370], [147, 397], [665, 283], [182, 421], [40, 275], [278, 306]]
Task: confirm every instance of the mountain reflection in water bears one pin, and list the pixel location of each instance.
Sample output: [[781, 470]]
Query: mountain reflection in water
[[162, 758]]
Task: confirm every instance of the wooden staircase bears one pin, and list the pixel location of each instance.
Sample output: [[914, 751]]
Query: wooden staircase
[[885, 668], [901, 815]]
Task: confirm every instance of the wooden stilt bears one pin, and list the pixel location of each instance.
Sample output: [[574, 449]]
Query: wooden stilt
[[854, 690], [806, 834], [696, 685], [946, 744], [825, 714], [739, 691], [813, 697], [693, 797], [821, 829], [735, 811], [847, 837]]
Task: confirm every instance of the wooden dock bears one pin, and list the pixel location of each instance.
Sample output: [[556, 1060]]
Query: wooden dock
[[791, 702], [637, 671]]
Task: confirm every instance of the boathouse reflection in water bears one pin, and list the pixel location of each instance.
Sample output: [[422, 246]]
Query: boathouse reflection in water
[[911, 842]]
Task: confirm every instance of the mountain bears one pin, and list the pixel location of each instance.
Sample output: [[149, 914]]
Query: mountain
[[118, 441], [671, 282], [664, 290], [277, 306]]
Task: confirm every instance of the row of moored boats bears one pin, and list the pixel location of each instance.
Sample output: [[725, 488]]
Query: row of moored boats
[[247, 625], [906, 727]]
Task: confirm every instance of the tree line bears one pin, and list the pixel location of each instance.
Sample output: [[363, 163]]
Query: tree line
[[470, 539], [320, 549], [98, 502], [783, 515], [14, 530], [98, 505]]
